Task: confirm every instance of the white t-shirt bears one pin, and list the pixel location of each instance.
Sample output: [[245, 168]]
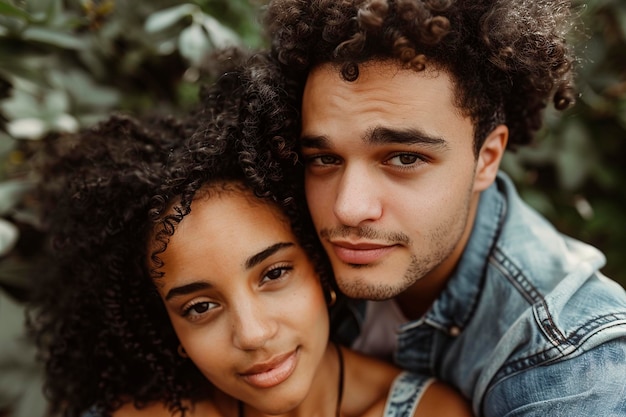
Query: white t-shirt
[[379, 333]]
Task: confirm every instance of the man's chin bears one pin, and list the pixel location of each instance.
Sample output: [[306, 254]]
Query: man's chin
[[367, 289]]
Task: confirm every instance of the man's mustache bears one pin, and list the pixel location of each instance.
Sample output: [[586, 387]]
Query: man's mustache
[[365, 232]]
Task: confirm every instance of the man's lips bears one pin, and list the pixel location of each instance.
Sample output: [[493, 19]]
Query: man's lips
[[272, 372], [360, 253]]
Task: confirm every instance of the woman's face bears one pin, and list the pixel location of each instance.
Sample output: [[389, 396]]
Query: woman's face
[[245, 301]]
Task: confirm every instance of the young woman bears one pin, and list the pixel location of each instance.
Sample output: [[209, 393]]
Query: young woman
[[185, 277]]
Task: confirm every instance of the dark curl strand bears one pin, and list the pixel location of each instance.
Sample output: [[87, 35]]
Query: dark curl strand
[[111, 198], [508, 58]]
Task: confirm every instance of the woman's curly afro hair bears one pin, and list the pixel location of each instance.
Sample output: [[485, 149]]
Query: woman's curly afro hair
[[112, 190], [509, 58]]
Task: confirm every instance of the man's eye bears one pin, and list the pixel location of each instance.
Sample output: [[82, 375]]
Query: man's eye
[[322, 160], [404, 159]]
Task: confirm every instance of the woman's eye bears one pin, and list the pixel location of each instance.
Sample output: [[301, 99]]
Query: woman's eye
[[198, 309], [275, 273]]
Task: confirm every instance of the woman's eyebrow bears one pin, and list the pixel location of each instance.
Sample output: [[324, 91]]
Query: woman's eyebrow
[[266, 253], [187, 289]]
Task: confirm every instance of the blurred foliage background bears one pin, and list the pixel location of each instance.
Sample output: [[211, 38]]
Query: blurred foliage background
[[65, 64], [575, 174]]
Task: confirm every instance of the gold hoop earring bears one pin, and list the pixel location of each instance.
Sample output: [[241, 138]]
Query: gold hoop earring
[[333, 298], [181, 352]]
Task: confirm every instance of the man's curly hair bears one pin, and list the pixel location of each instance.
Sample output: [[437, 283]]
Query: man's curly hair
[[508, 58], [99, 323]]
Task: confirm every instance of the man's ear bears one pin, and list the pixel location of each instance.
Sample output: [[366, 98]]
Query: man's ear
[[490, 156]]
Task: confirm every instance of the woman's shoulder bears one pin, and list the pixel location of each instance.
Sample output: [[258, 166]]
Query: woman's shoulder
[[366, 382], [359, 365], [372, 385]]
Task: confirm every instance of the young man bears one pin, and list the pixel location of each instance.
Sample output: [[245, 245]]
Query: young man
[[407, 109]]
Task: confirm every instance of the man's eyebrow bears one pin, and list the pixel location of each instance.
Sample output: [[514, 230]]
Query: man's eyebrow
[[314, 142], [382, 135], [186, 289], [266, 253]]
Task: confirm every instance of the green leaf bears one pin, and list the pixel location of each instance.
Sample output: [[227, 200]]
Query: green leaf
[[166, 18], [20, 105], [53, 37], [55, 102], [194, 44], [11, 193], [221, 36], [54, 11], [83, 89], [26, 69], [27, 128], [9, 10], [8, 236]]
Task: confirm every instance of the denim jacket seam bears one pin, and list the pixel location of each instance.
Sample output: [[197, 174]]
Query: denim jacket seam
[[588, 329], [558, 352], [562, 343], [548, 326], [503, 263]]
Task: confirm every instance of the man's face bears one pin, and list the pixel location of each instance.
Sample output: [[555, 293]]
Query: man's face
[[390, 176]]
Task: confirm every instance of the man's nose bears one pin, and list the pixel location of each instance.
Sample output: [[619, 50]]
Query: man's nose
[[252, 326], [358, 197]]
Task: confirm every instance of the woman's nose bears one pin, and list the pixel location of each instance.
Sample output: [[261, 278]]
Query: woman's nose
[[252, 326]]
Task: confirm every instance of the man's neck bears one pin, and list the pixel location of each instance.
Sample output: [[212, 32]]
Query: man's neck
[[416, 300]]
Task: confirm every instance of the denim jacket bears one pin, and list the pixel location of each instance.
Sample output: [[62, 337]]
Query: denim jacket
[[527, 325]]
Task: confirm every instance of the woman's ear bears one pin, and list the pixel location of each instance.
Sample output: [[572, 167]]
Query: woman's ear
[[489, 157]]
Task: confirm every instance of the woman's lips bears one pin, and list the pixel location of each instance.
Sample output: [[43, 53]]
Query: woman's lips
[[360, 254], [273, 372]]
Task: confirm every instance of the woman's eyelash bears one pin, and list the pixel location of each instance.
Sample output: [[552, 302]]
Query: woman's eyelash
[[277, 272], [190, 308]]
